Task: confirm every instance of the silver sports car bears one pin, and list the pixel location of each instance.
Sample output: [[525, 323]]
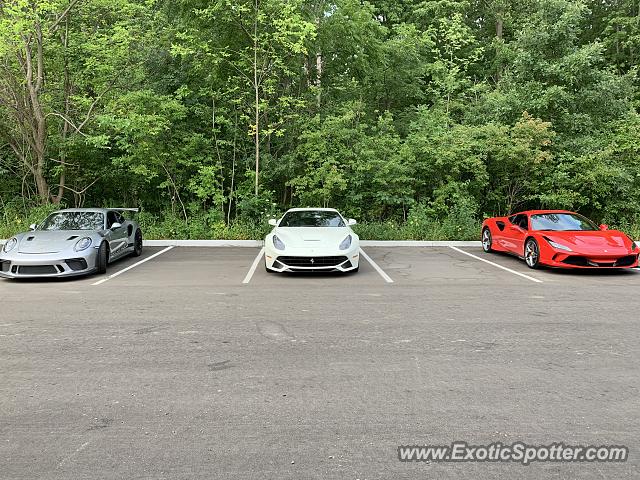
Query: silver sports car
[[76, 241]]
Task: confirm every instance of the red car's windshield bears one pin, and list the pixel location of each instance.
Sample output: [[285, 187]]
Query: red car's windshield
[[561, 222]]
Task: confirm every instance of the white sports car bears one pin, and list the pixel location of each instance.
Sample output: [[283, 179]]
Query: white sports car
[[312, 240]]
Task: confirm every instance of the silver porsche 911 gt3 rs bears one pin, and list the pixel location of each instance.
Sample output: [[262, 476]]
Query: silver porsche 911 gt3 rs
[[76, 241]]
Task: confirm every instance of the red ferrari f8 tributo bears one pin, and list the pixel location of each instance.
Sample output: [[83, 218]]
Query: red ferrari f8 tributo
[[559, 238]]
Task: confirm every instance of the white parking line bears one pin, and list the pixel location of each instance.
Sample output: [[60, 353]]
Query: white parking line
[[496, 265], [106, 279], [254, 265], [382, 273]]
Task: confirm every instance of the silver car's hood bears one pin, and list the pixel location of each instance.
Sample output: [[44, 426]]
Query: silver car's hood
[[50, 241]]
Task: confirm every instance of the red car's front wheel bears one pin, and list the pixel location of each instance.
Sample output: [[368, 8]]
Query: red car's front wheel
[[532, 253], [487, 241]]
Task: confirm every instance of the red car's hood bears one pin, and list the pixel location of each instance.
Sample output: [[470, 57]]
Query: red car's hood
[[593, 242]]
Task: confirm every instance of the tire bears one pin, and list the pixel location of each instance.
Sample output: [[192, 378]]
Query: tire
[[487, 240], [137, 244], [103, 258], [532, 253]]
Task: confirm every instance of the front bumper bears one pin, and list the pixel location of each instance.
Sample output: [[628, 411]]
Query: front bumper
[[576, 260], [318, 260], [50, 265]]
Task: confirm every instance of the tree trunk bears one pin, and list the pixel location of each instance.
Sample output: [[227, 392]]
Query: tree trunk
[[67, 108], [319, 78], [39, 125], [256, 87]]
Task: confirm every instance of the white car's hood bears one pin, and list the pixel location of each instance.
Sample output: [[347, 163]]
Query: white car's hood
[[297, 237]]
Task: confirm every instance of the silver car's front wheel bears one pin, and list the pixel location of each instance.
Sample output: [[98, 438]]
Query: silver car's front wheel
[[532, 253], [103, 258]]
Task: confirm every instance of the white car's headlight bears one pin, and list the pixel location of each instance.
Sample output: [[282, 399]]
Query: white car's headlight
[[279, 244], [82, 244], [346, 243], [10, 245], [559, 246]]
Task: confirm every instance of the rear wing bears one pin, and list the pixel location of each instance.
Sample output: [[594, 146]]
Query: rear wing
[[136, 210]]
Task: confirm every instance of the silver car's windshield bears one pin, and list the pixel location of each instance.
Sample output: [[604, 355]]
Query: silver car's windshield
[[312, 218], [74, 221]]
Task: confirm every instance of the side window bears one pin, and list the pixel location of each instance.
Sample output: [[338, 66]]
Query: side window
[[523, 222], [513, 219], [111, 219], [119, 218]]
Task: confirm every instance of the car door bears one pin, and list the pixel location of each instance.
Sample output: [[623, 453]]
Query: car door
[[515, 233], [498, 232], [117, 234]]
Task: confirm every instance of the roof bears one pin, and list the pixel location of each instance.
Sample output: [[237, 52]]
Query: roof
[[94, 210], [540, 212], [312, 209]]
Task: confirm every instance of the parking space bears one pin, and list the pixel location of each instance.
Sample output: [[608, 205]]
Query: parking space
[[436, 266], [173, 366], [563, 277], [74, 283], [191, 267], [195, 267]]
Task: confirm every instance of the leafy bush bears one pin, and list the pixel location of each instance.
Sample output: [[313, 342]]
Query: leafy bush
[[16, 217]]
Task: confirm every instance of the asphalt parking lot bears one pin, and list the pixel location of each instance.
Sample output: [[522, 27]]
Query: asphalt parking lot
[[193, 365]]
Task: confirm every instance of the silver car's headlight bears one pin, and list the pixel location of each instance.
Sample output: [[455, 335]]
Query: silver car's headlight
[[559, 246], [10, 245], [279, 244], [346, 243], [82, 244]]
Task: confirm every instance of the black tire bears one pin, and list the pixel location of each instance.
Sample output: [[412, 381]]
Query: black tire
[[137, 244], [103, 258], [487, 240], [532, 253]]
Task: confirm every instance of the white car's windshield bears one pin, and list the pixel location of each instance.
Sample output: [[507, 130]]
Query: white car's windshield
[[561, 222], [74, 221], [312, 218]]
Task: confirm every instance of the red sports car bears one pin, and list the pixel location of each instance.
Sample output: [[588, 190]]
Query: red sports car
[[558, 238]]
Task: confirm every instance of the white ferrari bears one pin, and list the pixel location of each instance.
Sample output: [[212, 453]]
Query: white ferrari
[[312, 240]]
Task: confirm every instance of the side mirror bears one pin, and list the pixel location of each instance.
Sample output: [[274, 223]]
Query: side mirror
[[33, 226], [273, 222], [116, 226], [604, 227], [351, 221]]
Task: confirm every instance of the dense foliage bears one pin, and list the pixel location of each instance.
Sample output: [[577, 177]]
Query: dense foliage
[[418, 115]]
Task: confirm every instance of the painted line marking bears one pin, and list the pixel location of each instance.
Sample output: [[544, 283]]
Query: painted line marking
[[254, 265], [382, 273], [497, 265], [120, 272], [73, 454]]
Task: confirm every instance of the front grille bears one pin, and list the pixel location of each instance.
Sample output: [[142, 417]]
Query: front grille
[[585, 262], [77, 264], [577, 261], [312, 261], [5, 266], [37, 270], [626, 261]]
